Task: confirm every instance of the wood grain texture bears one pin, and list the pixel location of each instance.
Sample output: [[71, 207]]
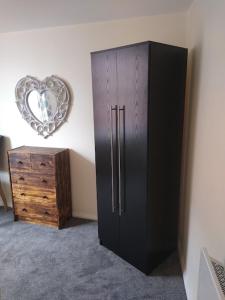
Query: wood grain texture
[[43, 162], [28, 195], [36, 211], [63, 186], [40, 181], [20, 161], [36, 150], [33, 179], [132, 67], [104, 76]]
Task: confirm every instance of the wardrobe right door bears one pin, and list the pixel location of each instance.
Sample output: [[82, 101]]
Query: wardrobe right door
[[132, 74]]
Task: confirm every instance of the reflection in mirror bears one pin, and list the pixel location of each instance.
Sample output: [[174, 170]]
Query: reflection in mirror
[[43, 106], [48, 105], [33, 102]]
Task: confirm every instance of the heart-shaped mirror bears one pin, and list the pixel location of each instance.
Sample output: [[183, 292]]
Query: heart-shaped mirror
[[43, 104]]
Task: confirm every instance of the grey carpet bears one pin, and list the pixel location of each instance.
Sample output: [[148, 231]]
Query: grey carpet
[[41, 263]]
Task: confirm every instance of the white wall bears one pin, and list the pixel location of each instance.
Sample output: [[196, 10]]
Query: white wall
[[65, 51], [203, 216]]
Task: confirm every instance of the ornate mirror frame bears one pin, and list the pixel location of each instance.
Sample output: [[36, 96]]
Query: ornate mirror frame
[[52, 84]]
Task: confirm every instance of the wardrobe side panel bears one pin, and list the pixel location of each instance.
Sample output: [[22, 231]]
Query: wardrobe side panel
[[166, 110]]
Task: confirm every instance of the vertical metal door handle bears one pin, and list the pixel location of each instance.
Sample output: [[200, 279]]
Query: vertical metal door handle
[[112, 155], [119, 165], [119, 158]]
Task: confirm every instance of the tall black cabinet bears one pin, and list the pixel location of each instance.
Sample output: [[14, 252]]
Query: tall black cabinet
[[138, 93]]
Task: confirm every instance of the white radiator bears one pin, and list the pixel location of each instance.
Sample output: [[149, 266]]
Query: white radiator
[[211, 278]]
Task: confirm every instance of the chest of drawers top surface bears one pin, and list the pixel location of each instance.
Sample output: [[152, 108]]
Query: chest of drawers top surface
[[36, 150], [40, 181], [37, 159]]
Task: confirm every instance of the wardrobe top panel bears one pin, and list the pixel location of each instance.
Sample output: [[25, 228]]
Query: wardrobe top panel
[[137, 44]]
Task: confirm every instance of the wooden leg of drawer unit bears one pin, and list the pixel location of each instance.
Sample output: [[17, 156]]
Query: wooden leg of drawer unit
[[3, 197]]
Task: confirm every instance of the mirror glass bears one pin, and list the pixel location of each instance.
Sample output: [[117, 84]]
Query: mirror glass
[[42, 105]]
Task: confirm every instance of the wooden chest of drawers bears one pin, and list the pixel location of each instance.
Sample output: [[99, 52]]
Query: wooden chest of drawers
[[40, 180]]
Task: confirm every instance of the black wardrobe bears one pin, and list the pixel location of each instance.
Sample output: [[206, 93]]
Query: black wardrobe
[[138, 93]]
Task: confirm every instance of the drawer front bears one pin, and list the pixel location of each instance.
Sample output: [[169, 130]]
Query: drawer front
[[43, 163], [33, 211], [19, 161], [39, 196], [45, 181]]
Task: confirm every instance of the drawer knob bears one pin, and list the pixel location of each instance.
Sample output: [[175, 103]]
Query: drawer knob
[[42, 164], [44, 181], [22, 194], [21, 178], [20, 162], [47, 213], [24, 209], [45, 197]]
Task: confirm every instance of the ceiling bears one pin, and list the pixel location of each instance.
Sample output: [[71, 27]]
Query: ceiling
[[16, 15]]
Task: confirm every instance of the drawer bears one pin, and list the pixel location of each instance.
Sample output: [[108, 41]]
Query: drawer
[[42, 162], [40, 197], [33, 211], [19, 161], [33, 180]]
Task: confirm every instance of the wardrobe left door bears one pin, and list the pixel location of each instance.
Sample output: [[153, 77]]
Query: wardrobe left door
[[104, 82]]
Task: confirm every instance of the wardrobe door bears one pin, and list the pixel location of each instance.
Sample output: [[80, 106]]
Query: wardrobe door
[[132, 68], [105, 122]]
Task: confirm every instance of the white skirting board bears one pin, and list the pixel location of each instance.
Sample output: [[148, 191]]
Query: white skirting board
[[211, 285], [84, 216]]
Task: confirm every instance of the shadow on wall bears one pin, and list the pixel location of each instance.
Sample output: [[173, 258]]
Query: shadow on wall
[[83, 185], [191, 111], [4, 169]]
